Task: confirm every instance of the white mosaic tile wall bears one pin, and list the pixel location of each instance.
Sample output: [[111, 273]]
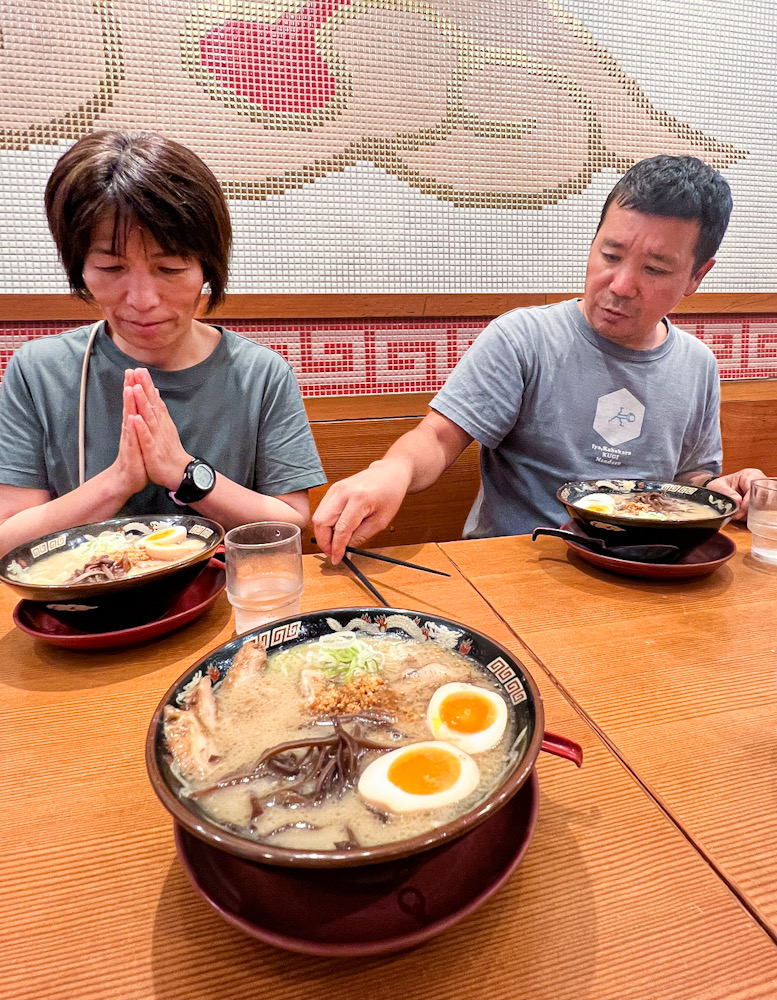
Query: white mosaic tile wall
[[398, 145]]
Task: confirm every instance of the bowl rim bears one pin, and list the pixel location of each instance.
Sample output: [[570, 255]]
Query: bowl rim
[[59, 592], [258, 851], [646, 486]]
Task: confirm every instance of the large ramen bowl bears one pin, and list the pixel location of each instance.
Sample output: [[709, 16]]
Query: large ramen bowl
[[617, 528], [118, 603], [517, 688]]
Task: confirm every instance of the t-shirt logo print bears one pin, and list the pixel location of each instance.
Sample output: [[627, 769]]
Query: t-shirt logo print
[[619, 417]]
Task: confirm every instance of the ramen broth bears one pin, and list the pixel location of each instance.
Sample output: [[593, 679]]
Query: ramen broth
[[650, 506], [123, 554], [275, 708]]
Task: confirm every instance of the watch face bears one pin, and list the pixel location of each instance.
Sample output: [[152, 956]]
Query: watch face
[[202, 476]]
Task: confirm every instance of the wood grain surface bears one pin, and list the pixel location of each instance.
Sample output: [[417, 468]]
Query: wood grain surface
[[611, 900], [680, 677]]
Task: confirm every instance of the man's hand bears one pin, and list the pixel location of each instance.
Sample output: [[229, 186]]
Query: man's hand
[[737, 486], [356, 508]]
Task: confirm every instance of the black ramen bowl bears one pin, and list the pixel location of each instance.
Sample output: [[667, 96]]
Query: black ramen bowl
[[519, 689], [115, 604], [622, 529]]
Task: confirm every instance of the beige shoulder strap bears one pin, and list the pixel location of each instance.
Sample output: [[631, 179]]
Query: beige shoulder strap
[[82, 404]]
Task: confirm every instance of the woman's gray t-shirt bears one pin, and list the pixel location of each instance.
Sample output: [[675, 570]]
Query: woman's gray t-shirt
[[550, 400], [240, 409]]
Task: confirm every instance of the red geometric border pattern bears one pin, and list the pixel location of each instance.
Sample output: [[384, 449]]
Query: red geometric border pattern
[[366, 357]]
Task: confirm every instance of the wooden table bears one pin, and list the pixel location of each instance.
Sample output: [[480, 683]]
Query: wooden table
[[611, 901], [681, 678]]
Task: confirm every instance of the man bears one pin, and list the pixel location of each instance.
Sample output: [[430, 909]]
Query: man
[[596, 388]]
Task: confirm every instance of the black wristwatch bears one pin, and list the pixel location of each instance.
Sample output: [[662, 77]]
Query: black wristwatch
[[199, 478]]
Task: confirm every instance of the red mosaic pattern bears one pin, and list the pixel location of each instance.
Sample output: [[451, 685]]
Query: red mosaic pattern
[[368, 357]]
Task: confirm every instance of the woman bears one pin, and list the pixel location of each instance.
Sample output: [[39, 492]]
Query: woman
[[151, 411]]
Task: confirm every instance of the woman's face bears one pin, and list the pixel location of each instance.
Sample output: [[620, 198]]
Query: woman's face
[[148, 297]]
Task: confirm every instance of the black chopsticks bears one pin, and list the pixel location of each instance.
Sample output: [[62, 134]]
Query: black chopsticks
[[359, 575], [390, 559]]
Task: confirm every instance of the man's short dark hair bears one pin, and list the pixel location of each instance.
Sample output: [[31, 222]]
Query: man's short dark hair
[[680, 187], [139, 178]]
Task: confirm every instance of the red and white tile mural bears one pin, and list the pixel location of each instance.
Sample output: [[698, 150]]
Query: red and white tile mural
[[361, 357], [398, 146]]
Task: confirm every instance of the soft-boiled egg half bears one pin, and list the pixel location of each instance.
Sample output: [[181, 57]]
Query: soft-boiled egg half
[[600, 503], [164, 543], [470, 717], [419, 776]]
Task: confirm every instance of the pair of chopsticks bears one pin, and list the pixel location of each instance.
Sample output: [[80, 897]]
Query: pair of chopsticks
[[360, 576], [389, 559]]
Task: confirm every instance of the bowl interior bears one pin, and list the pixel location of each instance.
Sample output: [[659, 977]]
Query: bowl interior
[[717, 509], [28, 554], [518, 687]]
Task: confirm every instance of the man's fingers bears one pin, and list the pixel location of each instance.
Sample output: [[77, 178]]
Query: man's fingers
[[357, 527], [327, 516], [370, 526], [323, 531], [348, 521], [324, 539], [355, 518], [355, 509]]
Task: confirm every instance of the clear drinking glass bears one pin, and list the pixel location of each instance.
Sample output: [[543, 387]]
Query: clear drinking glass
[[762, 520], [264, 572]]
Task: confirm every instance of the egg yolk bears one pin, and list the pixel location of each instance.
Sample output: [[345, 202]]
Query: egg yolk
[[425, 771], [465, 712], [598, 508], [164, 535]]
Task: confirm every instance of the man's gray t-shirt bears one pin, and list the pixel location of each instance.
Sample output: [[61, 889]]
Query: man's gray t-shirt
[[550, 401], [240, 409]]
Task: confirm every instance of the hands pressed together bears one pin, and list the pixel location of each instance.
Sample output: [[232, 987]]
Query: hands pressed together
[[150, 448]]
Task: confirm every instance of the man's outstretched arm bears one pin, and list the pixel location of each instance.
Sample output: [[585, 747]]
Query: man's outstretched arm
[[358, 507]]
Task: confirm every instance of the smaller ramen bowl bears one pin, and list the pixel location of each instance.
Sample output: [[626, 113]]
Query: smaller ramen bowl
[[114, 604], [519, 691], [617, 528]]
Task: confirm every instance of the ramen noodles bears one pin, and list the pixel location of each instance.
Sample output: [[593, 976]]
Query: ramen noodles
[[332, 745]]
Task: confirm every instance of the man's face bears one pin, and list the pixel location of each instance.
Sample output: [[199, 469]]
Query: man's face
[[639, 267]]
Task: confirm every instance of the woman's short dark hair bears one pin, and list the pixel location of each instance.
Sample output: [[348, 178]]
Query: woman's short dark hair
[[139, 178], [680, 187]]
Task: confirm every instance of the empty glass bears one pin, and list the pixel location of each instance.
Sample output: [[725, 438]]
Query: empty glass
[[762, 520], [264, 572]]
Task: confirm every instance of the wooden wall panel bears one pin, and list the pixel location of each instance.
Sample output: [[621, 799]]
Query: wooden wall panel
[[246, 306], [749, 429]]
